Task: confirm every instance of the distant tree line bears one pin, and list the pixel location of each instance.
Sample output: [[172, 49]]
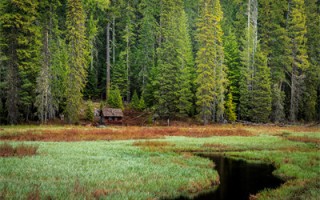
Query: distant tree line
[[214, 60]]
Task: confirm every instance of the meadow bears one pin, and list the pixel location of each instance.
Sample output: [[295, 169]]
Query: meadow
[[73, 162]]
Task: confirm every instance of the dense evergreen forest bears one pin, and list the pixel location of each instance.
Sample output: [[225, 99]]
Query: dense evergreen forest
[[213, 60]]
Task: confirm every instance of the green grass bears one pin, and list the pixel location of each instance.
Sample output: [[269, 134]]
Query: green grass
[[157, 168], [113, 169]]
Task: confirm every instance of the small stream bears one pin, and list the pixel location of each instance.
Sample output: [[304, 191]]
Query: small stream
[[239, 179]]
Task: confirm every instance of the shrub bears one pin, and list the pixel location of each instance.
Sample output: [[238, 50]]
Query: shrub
[[142, 104], [90, 111], [115, 99], [135, 101]]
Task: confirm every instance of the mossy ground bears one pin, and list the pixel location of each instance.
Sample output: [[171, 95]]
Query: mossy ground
[[156, 168]]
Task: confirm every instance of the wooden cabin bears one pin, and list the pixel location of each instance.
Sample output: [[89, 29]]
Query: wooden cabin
[[111, 116]]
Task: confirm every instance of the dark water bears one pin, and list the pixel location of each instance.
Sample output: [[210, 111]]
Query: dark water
[[239, 179]]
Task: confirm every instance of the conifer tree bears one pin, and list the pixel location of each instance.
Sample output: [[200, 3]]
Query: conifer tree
[[78, 58], [230, 109], [146, 41], [249, 45], [233, 64], [45, 103], [210, 68], [261, 91], [311, 101], [186, 68], [299, 58], [21, 48], [142, 104], [174, 61], [135, 101], [115, 98], [275, 44]]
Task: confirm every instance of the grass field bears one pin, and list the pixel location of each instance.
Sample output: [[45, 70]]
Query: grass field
[[152, 162]]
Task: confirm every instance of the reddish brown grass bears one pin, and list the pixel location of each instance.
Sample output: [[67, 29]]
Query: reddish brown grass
[[98, 194], [7, 150], [81, 134], [303, 139], [152, 144]]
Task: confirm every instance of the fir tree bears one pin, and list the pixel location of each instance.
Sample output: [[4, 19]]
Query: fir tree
[[115, 99], [45, 103], [249, 45], [299, 58], [142, 104], [275, 44], [146, 42], [135, 101], [230, 109], [21, 48], [233, 64], [78, 56], [174, 62], [311, 102], [89, 111], [261, 91], [210, 68]]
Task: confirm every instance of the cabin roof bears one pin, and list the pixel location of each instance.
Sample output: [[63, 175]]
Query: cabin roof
[[112, 112]]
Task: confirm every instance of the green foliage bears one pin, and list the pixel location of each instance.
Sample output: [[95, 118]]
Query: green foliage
[[135, 101], [115, 99], [233, 64], [261, 92], [298, 59], [311, 101], [21, 46], [230, 109], [89, 111], [142, 104], [78, 58], [53, 52], [210, 57], [174, 62]]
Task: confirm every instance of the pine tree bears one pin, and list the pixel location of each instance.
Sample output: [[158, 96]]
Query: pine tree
[[174, 61], [261, 91], [135, 101], [275, 44], [46, 106], [78, 58], [249, 45], [186, 68], [299, 58], [142, 104], [233, 64], [210, 68], [146, 42], [115, 99], [311, 102], [230, 109], [2, 74], [21, 48], [89, 111]]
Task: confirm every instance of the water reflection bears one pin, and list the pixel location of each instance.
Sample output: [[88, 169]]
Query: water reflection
[[239, 179]]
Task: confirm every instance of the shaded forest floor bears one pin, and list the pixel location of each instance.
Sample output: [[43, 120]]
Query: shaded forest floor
[[75, 162]]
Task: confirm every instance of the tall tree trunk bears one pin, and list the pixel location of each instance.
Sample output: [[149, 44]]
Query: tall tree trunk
[[293, 95], [128, 65], [114, 40], [108, 60]]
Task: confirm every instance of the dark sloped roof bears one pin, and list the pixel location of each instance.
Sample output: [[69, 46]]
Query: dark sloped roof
[[112, 112]]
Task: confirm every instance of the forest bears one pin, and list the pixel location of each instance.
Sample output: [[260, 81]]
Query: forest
[[209, 60]]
